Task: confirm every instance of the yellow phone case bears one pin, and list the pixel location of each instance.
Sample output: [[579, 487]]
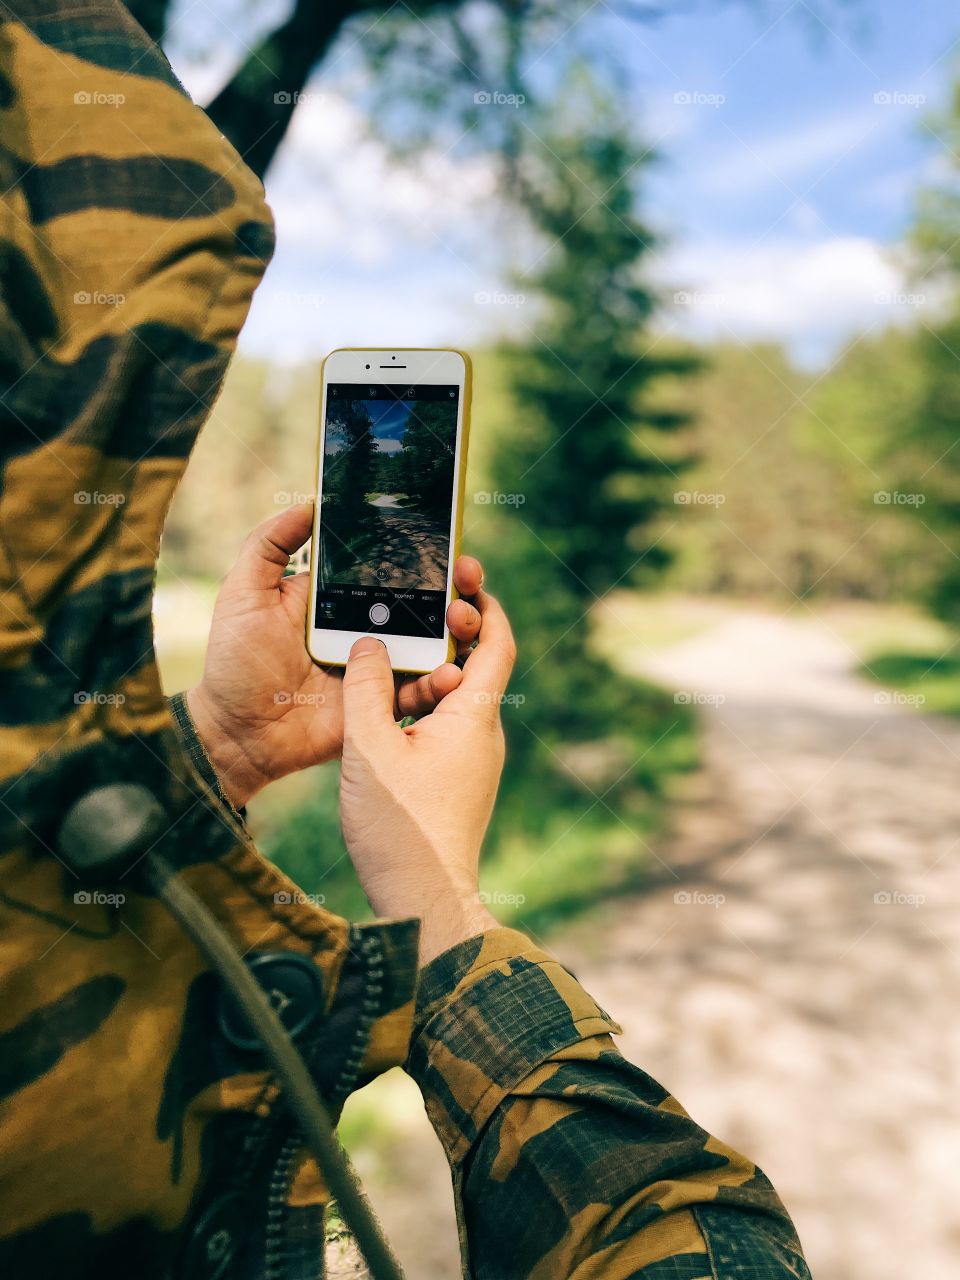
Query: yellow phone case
[[461, 484]]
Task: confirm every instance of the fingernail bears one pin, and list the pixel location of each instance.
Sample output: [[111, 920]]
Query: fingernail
[[366, 644]]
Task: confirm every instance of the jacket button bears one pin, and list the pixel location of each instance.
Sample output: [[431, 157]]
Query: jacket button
[[214, 1243], [294, 986]]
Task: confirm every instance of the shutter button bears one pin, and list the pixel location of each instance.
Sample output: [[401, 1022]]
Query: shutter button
[[294, 986]]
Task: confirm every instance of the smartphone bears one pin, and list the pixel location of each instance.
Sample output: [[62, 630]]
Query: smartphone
[[391, 466]]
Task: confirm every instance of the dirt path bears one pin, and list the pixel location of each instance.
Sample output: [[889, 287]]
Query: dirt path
[[795, 979], [811, 1017], [409, 545]]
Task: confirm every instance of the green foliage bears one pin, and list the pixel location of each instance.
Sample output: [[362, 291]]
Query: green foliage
[[930, 456], [934, 465], [349, 521], [303, 838], [576, 481], [934, 235], [426, 467], [782, 500], [926, 681]]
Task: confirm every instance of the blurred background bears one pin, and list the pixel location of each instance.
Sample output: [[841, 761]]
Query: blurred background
[[705, 256]]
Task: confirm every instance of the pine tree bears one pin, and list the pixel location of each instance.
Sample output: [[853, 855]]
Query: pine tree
[[930, 444], [588, 469]]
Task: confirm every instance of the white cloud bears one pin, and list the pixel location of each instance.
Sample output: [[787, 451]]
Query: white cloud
[[337, 191], [373, 249], [811, 295]]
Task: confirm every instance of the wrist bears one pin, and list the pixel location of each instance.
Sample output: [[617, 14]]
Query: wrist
[[442, 930], [449, 919], [239, 776]]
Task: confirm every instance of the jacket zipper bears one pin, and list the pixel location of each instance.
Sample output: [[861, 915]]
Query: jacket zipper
[[274, 1245]]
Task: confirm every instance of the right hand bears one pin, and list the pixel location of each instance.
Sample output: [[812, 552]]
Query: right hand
[[415, 802]]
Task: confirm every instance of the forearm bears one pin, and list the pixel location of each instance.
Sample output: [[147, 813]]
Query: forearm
[[568, 1160]]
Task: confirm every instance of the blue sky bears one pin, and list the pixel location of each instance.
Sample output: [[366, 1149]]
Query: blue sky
[[789, 152], [389, 419]]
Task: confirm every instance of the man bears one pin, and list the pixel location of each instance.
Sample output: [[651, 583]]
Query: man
[[143, 1130]]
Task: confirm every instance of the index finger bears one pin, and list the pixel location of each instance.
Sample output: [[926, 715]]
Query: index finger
[[487, 669], [468, 575]]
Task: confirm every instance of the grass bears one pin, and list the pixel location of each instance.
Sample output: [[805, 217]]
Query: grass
[[927, 681], [914, 656], [629, 626]]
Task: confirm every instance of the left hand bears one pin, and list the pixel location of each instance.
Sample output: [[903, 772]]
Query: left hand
[[263, 708]]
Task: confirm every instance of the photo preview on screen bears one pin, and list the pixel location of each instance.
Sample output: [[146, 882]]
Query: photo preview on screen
[[386, 507]]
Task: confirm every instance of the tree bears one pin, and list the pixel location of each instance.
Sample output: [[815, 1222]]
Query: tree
[[931, 443], [427, 53], [430, 56], [429, 445], [348, 476], [588, 465], [787, 496]]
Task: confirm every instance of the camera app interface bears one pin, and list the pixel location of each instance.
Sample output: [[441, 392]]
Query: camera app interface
[[385, 508]]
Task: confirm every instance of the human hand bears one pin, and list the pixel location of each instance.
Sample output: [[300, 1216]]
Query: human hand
[[263, 708], [415, 802]]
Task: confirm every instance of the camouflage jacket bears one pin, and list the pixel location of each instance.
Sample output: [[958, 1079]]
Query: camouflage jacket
[[140, 1132]]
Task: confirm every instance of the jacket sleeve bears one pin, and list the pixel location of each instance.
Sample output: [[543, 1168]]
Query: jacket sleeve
[[567, 1160]]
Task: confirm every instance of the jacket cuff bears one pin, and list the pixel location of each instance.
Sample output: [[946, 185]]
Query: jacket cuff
[[198, 756], [489, 1012]]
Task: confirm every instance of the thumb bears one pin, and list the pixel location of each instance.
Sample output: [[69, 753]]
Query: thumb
[[267, 551], [368, 691]]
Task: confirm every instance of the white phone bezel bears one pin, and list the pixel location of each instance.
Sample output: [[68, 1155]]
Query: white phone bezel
[[407, 653]]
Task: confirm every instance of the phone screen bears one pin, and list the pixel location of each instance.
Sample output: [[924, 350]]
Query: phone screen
[[386, 507]]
